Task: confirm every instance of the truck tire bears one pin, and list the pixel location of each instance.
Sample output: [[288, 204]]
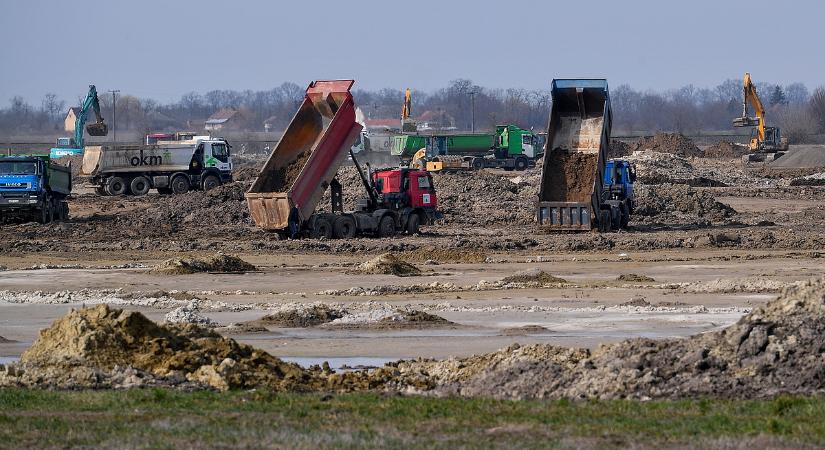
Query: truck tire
[[412, 224], [116, 186], [179, 185], [343, 228], [521, 163], [164, 191], [625, 215], [386, 228], [616, 218], [64, 211], [478, 163], [139, 186], [44, 214], [101, 191], [211, 182], [604, 221], [321, 228]]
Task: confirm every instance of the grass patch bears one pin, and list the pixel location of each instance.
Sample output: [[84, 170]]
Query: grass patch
[[161, 418]]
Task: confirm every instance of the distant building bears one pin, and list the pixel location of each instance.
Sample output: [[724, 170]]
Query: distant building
[[71, 119], [383, 124], [226, 119]]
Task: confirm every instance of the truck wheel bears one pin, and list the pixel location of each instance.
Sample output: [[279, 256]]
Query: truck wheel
[[101, 191], [412, 224], [116, 186], [478, 163], [64, 211], [211, 182], [604, 221], [386, 228], [164, 191], [139, 186], [180, 185], [616, 222], [45, 213], [521, 163], [343, 228], [321, 228], [625, 216]]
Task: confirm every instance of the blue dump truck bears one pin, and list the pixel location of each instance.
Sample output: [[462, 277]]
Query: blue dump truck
[[580, 188], [33, 188]]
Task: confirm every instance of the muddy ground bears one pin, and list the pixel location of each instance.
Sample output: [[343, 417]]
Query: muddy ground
[[695, 259]]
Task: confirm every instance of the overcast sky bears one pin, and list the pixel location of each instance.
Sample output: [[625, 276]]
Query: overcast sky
[[163, 49]]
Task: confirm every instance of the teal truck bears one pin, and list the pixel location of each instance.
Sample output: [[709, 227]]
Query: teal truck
[[34, 187], [509, 148]]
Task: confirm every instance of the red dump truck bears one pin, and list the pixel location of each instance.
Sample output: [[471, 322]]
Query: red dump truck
[[305, 162]]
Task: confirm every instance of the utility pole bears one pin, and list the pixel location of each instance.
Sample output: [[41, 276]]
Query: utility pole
[[472, 111], [114, 113]]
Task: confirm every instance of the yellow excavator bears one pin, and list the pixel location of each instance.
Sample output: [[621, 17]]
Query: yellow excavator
[[766, 143]]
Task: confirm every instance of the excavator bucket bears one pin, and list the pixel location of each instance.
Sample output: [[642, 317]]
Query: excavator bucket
[[97, 129]]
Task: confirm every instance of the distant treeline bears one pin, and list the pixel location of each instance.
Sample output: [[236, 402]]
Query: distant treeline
[[688, 109]]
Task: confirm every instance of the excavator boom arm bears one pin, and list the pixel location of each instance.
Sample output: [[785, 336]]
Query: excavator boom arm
[[750, 96], [99, 128]]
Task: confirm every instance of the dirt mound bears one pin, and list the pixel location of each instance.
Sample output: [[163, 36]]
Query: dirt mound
[[726, 150], [189, 314], [533, 276], [387, 264], [618, 149], [668, 143], [817, 179], [574, 182], [485, 198], [636, 301], [301, 317], [92, 346], [635, 278], [388, 319], [801, 156], [217, 263], [525, 330], [445, 255], [677, 203], [661, 168], [283, 178], [777, 348]]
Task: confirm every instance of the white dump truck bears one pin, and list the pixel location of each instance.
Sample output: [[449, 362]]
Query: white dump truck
[[171, 168]]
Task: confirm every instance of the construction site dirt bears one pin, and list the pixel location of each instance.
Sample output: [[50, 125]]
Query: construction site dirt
[[694, 262]]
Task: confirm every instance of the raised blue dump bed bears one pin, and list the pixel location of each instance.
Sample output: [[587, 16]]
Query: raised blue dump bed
[[578, 137]]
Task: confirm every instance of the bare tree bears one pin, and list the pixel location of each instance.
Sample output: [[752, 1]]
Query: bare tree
[[817, 107]]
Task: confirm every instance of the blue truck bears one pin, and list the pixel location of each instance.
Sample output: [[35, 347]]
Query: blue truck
[[580, 188], [33, 187]]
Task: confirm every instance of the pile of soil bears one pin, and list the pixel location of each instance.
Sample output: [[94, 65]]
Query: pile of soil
[[817, 179], [189, 314], [660, 168], [443, 255], [777, 348], [668, 143], [572, 179], [533, 276], [217, 263], [480, 198], [101, 347], [389, 319], [635, 278], [618, 149], [283, 178], [76, 161], [387, 264], [678, 203], [525, 330], [726, 150], [301, 317], [801, 157]]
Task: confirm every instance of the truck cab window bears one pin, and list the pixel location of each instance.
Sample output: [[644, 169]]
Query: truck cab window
[[220, 151], [423, 182]]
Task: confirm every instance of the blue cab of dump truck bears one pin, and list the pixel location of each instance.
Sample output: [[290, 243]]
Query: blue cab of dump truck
[[619, 176], [33, 188]]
